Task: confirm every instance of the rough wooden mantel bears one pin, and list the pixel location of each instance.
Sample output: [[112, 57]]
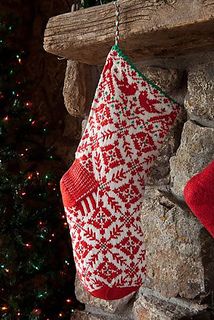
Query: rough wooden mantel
[[149, 28]]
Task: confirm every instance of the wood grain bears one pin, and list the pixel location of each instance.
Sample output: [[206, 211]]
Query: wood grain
[[149, 28]]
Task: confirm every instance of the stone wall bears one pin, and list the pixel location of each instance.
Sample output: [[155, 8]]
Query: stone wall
[[180, 252]]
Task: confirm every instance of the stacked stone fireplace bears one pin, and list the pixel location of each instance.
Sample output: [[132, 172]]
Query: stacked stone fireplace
[[180, 252]]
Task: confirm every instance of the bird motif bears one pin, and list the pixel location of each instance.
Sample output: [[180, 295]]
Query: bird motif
[[107, 76], [107, 67], [124, 85], [148, 104]]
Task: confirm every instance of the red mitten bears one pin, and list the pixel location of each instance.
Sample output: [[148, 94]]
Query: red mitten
[[199, 196], [103, 189]]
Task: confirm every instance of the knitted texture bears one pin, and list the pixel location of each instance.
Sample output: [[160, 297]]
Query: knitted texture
[[103, 189], [199, 196]]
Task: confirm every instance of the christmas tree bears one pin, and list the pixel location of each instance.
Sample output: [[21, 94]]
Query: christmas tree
[[36, 265]]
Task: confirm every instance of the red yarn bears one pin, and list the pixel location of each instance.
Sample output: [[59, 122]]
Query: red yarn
[[199, 196], [103, 189]]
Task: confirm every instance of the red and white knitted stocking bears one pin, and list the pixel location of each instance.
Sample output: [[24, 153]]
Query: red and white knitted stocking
[[199, 196], [103, 189]]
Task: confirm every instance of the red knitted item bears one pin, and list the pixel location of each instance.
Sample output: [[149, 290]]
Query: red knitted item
[[78, 183], [199, 196], [103, 190]]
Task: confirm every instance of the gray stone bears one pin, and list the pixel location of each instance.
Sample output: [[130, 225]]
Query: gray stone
[[153, 306], [172, 240], [167, 79], [82, 315], [160, 172], [110, 306], [199, 101], [97, 315], [195, 152], [79, 87]]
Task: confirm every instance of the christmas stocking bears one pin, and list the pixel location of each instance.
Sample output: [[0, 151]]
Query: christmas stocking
[[103, 189], [199, 195]]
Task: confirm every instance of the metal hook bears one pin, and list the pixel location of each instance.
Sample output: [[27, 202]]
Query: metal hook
[[61, 58], [75, 6]]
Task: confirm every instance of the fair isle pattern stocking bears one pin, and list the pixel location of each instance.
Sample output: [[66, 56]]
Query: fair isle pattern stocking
[[103, 189]]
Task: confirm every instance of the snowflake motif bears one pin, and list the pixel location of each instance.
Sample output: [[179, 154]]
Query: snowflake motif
[[104, 188]]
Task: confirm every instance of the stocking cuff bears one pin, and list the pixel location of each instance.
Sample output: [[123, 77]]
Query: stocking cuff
[[76, 184]]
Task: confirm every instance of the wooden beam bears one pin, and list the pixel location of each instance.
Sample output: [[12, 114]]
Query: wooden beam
[[148, 28]]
